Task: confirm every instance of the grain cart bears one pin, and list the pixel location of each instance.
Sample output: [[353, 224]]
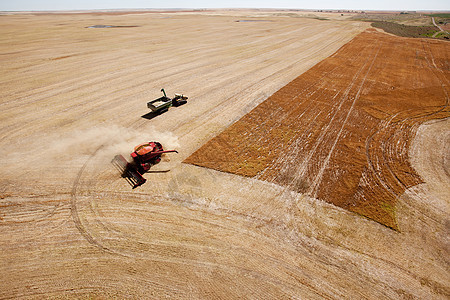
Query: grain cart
[[162, 104]]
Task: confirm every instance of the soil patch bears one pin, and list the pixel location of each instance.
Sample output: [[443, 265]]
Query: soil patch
[[341, 131]]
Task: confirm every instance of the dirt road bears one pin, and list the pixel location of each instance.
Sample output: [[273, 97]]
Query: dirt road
[[439, 27], [72, 97]]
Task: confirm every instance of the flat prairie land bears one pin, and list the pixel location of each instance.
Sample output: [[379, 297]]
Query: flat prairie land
[[73, 96], [342, 131]]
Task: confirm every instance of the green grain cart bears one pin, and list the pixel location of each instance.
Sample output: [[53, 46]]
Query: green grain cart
[[162, 104]]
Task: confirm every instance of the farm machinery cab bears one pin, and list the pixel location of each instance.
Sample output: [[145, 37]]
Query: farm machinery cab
[[144, 157]]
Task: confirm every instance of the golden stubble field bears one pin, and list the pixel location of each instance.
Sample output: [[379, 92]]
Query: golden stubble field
[[72, 97]]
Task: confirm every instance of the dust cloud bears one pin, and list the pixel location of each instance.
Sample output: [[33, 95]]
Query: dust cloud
[[103, 141]]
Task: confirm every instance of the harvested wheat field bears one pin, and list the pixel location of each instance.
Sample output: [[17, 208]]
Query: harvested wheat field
[[258, 222]]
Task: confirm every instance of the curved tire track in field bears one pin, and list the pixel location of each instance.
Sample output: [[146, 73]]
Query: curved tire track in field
[[327, 148], [136, 249], [399, 126], [74, 209], [187, 247]]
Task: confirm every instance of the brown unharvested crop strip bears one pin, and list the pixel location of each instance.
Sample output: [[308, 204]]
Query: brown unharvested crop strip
[[341, 131]]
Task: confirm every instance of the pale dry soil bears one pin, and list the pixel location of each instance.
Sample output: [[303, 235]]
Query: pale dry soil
[[72, 97]]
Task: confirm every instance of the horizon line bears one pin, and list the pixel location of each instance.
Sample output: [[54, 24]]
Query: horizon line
[[228, 8]]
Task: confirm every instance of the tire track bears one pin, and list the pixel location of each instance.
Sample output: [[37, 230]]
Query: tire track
[[74, 209], [315, 186], [256, 141], [390, 124]]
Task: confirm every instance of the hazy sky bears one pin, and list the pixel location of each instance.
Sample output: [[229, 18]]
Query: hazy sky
[[305, 4]]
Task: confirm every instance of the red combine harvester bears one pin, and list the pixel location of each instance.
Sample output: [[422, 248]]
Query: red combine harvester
[[144, 157]]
